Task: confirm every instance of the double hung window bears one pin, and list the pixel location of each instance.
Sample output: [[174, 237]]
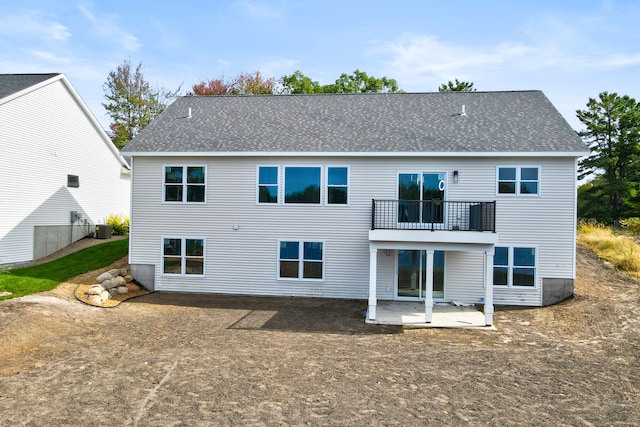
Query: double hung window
[[268, 184], [300, 260], [184, 184], [183, 256], [514, 266], [337, 185]]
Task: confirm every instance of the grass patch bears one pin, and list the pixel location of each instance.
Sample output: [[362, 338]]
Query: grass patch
[[44, 277], [620, 250]]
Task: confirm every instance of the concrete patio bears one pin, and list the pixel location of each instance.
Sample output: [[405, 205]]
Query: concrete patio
[[412, 314]]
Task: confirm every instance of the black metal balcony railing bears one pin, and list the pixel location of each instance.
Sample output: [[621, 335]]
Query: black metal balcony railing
[[433, 215]]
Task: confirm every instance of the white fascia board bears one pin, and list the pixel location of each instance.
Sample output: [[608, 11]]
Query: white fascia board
[[474, 154]]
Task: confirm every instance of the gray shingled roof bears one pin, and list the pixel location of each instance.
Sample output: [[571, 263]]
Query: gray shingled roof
[[523, 121], [12, 83]]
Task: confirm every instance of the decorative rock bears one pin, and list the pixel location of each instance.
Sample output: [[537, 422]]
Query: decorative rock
[[123, 272], [122, 290], [132, 287], [128, 278], [95, 290], [95, 299], [119, 281], [110, 283], [105, 295], [113, 291], [104, 276], [115, 272]]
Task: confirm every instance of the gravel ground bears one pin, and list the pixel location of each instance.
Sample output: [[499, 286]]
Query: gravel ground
[[200, 360]]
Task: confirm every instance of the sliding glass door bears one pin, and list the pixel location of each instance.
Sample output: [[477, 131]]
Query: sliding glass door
[[412, 274], [421, 198]]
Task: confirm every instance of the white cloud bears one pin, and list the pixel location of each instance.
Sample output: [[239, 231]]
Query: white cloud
[[106, 27], [260, 11], [425, 59], [32, 24], [276, 67]]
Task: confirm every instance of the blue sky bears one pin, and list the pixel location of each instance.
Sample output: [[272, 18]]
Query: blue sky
[[571, 50]]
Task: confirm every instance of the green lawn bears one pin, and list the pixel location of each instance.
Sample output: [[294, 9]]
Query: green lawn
[[44, 277]]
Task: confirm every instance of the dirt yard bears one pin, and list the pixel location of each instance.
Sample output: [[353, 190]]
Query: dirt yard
[[198, 360]]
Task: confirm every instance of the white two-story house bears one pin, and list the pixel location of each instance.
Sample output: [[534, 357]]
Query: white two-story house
[[62, 175], [466, 197]]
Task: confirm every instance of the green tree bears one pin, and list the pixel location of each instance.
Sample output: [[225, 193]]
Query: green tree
[[358, 82], [132, 102], [456, 86], [590, 206], [613, 133], [299, 83]]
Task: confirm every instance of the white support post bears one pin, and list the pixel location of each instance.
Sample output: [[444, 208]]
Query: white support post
[[428, 300], [488, 287], [373, 270]]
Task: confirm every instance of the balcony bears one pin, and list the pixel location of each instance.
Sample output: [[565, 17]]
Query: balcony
[[433, 215]]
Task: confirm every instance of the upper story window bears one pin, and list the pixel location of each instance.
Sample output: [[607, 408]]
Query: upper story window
[[514, 266], [337, 185], [301, 260], [184, 184], [302, 184], [182, 256], [73, 181], [268, 184], [518, 180]]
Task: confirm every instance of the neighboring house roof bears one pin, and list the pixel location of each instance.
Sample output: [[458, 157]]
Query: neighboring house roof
[[492, 122], [13, 83]]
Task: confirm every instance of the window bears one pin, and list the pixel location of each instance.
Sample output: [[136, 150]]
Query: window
[[268, 184], [501, 266], [184, 184], [301, 260], [337, 185], [514, 266], [518, 180], [73, 181], [302, 184], [183, 256]]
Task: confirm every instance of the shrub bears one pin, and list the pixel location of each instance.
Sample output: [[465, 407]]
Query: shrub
[[632, 225], [119, 224]]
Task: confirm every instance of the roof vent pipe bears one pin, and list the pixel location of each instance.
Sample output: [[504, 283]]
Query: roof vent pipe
[[189, 116], [463, 113]]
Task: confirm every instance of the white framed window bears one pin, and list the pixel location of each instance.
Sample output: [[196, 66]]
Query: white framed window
[[337, 185], [268, 185], [182, 256], [302, 184], [518, 180], [300, 260], [184, 184], [515, 266]]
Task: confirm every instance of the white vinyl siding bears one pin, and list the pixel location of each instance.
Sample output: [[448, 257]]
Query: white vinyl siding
[[242, 257], [46, 136]]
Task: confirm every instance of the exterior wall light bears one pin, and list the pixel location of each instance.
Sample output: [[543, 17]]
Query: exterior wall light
[[455, 177]]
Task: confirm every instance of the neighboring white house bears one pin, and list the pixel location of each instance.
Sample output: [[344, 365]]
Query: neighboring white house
[[62, 174], [467, 197]]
